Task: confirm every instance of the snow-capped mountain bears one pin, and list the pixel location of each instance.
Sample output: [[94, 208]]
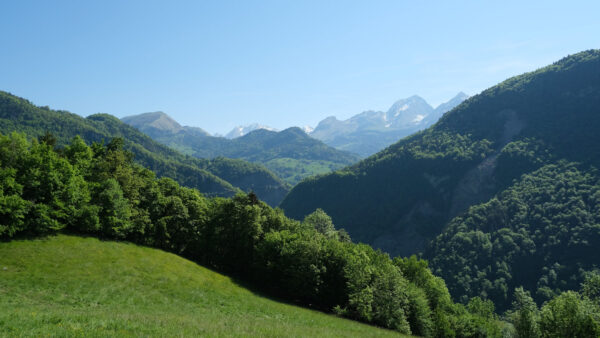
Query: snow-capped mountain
[[243, 130], [370, 131], [307, 129]]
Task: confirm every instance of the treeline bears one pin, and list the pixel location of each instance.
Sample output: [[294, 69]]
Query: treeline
[[99, 191]]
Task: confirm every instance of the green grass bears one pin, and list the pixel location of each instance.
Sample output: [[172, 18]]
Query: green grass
[[293, 171], [73, 286]]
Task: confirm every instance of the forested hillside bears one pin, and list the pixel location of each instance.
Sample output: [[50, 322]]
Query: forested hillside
[[291, 153], [99, 191], [17, 114], [462, 179]]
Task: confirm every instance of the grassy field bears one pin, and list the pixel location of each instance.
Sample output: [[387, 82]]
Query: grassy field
[[293, 171], [73, 286]]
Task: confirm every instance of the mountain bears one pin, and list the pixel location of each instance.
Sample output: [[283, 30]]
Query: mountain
[[159, 123], [371, 131], [243, 130], [291, 153], [501, 192], [66, 285], [307, 129], [17, 114]]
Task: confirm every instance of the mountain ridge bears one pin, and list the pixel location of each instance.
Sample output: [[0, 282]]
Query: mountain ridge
[[370, 131], [404, 197], [291, 153], [18, 114]]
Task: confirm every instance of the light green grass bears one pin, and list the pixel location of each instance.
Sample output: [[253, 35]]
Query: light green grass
[[73, 286], [293, 170]]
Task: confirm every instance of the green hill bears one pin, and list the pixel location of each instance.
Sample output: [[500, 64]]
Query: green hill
[[17, 114], [99, 191], [544, 124], [291, 153], [65, 285]]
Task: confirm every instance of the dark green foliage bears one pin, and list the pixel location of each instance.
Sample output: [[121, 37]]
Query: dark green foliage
[[541, 233], [59, 127], [502, 192], [321, 222], [569, 314], [349, 196], [525, 315], [402, 197], [591, 287], [99, 191]]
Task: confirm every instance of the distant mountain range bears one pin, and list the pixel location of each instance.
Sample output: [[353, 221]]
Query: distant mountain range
[[218, 177], [371, 131], [291, 153], [243, 130]]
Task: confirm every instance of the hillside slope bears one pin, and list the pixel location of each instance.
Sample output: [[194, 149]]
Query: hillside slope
[[402, 197], [291, 153], [17, 114], [506, 184], [68, 285]]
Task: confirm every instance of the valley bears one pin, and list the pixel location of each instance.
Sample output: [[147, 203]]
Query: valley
[[301, 169]]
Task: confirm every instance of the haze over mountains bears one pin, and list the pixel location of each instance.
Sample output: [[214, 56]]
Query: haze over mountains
[[291, 153], [371, 131]]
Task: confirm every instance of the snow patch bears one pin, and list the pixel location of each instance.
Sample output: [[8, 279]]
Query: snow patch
[[308, 129], [418, 118], [401, 109]]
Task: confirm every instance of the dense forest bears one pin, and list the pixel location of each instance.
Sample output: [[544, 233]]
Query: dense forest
[[291, 153], [220, 177], [502, 192], [98, 190]]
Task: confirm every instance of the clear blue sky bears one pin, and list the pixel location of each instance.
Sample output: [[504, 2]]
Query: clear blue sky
[[217, 64]]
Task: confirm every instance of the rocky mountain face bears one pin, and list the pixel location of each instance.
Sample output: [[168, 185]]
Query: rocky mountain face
[[371, 131]]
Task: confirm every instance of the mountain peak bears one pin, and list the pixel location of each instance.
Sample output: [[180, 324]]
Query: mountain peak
[[407, 112], [450, 104], [243, 130], [157, 120]]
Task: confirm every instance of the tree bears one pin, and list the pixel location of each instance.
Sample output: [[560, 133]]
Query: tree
[[321, 222], [114, 210], [591, 287], [525, 315], [570, 315]]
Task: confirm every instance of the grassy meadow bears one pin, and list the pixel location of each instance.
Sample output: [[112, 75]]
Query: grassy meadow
[[72, 286]]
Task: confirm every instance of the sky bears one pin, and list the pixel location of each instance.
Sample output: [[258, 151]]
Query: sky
[[219, 64]]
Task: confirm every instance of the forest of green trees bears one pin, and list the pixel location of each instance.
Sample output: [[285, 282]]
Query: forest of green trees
[[542, 233], [98, 190]]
